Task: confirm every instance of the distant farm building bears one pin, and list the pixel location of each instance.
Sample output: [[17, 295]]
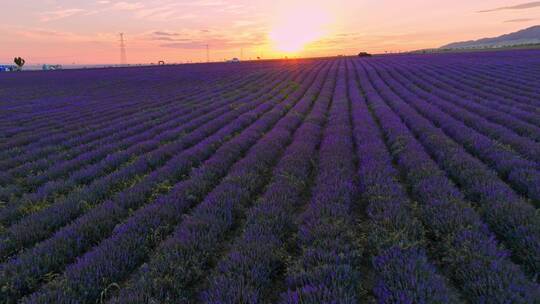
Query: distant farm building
[[51, 67], [364, 54], [7, 68]]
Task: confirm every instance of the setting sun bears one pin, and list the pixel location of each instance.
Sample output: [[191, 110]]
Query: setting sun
[[297, 27]]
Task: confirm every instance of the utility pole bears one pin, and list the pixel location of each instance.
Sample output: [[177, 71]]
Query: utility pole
[[123, 57]]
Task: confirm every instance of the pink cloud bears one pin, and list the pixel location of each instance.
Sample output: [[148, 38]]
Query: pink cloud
[[60, 14]]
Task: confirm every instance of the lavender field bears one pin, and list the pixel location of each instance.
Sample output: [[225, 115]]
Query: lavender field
[[390, 179]]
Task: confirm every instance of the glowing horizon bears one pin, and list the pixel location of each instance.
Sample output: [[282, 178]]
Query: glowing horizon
[[86, 32]]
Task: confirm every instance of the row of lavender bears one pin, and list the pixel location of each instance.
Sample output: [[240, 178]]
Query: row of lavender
[[406, 179], [50, 149], [446, 247], [142, 178], [458, 240], [98, 189], [103, 217], [104, 154], [73, 96], [41, 168], [129, 244]]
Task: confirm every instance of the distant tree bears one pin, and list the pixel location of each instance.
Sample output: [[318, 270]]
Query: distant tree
[[19, 62]]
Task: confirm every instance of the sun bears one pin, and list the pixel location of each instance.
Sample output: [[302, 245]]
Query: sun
[[297, 27]]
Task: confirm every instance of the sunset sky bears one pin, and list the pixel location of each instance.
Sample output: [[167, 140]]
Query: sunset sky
[[86, 32]]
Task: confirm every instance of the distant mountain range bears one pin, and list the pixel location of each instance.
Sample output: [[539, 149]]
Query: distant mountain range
[[530, 35]]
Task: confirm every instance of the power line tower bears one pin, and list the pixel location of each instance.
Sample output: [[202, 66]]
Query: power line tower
[[123, 57], [207, 53]]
